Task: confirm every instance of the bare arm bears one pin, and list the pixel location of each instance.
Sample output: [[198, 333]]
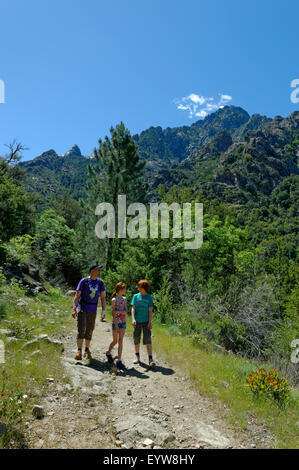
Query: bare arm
[[103, 299], [133, 315], [75, 303]]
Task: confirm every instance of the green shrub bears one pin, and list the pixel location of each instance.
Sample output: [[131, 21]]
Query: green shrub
[[20, 330], [174, 330], [19, 249], [231, 333], [201, 341], [163, 301]]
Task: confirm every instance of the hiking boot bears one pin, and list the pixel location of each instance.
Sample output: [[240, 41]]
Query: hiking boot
[[151, 362], [109, 357], [87, 353], [78, 356]]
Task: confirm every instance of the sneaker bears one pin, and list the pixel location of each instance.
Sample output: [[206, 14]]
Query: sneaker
[[109, 357], [136, 360], [120, 365], [78, 356], [151, 362], [87, 353]]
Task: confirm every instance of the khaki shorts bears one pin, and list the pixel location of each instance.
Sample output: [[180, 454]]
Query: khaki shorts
[[85, 323], [147, 335]]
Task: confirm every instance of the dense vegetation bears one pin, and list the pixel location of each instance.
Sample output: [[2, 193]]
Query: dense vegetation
[[240, 289]]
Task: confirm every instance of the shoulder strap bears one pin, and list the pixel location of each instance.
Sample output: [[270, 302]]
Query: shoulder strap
[[85, 281]]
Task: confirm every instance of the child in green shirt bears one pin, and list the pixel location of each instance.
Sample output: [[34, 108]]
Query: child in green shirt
[[142, 308]]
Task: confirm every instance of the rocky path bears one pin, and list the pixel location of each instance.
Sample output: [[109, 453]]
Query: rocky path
[[139, 407]]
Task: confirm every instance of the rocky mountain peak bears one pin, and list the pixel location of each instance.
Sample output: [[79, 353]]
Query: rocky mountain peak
[[73, 152]]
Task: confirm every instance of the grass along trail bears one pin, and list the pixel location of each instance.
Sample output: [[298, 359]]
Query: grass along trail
[[138, 407]]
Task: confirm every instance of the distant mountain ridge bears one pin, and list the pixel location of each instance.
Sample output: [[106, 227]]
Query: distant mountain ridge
[[250, 167], [50, 174], [163, 147]]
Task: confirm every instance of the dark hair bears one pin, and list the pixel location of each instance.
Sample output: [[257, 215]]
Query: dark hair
[[144, 284], [118, 287]]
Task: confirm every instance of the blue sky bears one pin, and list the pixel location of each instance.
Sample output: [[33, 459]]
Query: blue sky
[[71, 68]]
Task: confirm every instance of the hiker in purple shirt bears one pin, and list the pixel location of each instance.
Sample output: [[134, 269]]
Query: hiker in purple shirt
[[89, 290]]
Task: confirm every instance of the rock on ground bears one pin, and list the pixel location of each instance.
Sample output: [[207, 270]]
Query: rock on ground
[[134, 428], [35, 342], [209, 435], [38, 411]]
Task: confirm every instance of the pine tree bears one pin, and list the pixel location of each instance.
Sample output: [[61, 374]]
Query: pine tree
[[118, 170]]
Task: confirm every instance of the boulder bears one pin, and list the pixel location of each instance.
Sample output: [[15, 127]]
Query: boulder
[[38, 340], [209, 435], [135, 428], [15, 272]]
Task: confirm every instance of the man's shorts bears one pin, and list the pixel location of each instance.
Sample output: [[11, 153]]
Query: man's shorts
[[120, 325], [86, 323], [147, 334]]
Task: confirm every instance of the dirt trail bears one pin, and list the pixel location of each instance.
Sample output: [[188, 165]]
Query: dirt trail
[[106, 410]]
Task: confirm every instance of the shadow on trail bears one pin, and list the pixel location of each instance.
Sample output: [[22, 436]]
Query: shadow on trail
[[102, 367], [96, 365], [162, 370], [132, 373]]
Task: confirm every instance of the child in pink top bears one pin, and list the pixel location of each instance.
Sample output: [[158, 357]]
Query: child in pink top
[[119, 312]]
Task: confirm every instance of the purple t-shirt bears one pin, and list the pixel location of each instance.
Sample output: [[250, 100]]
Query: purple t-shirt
[[90, 292]]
